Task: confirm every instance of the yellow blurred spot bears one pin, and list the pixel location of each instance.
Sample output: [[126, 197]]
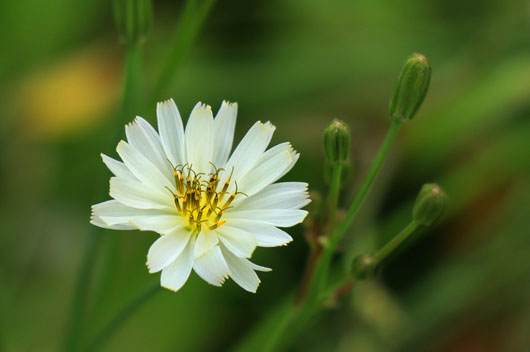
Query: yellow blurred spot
[[71, 95]]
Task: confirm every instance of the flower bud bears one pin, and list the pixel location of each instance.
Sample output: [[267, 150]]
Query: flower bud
[[133, 20], [337, 141], [429, 204], [411, 87], [364, 266]]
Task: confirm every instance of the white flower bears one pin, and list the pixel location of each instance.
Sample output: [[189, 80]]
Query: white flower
[[211, 210]]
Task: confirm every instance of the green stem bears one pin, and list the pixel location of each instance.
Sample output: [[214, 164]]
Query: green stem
[[333, 204], [85, 273], [323, 266], [103, 337], [263, 333], [131, 89], [334, 198], [382, 254], [300, 315], [316, 250], [190, 23]]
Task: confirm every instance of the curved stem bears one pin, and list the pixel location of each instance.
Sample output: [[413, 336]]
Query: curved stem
[[323, 266], [102, 338], [298, 318], [299, 315], [391, 246]]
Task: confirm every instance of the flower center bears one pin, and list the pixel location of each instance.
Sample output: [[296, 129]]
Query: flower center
[[197, 197]]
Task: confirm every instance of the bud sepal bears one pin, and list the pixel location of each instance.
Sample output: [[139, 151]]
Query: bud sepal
[[337, 140], [429, 204], [411, 87]]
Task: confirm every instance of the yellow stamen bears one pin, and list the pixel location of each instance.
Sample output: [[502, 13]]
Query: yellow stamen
[[197, 200], [214, 226]]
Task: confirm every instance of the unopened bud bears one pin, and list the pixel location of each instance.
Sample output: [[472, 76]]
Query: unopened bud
[[337, 141], [364, 267], [133, 20], [411, 87], [429, 204]]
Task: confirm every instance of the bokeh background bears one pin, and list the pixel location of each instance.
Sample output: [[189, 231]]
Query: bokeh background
[[463, 286]]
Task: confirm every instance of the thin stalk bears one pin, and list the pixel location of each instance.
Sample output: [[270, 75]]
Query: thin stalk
[[276, 335], [85, 272], [333, 205], [194, 14], [316, 250], [299, 315], [131, 88], [323, 266], [382, 254], [334, 198], [261, 334], [103, 337], [311, 262]]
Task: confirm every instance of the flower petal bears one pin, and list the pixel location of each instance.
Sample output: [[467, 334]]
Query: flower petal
[[266, 235], [142, 167], [115, 215], [241, 271], [115, 212], [166, 249], [237, 240], [176, 274], [283, 195], [137, 195], [117, 167], [276, 217], [96, 220], [143, 137], [171, 131], [258, 267], [205, 243], [248, 151], [160, 223], [212, 267], [110, 207], [224, 125], [199, 138], [272, 165]]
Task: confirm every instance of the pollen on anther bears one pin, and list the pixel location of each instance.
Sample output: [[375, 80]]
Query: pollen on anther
[[201, 202]]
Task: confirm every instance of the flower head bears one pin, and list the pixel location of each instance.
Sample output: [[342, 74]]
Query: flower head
[[212, 209]]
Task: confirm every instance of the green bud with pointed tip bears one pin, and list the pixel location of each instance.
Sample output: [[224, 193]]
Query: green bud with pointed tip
[[133, 20], [411, 87], [364, 266], [337, 139], [429, 204]]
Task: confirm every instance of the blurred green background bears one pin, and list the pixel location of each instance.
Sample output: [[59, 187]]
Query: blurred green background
[[463, 286]]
